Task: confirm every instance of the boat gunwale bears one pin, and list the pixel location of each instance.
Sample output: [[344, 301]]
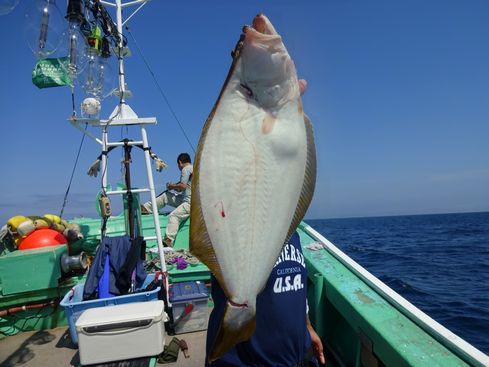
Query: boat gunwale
[[443, 335]]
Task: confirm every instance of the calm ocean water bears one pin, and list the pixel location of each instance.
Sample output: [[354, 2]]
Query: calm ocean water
[[440, 263]]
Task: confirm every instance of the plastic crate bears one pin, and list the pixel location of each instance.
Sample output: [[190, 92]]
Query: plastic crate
[[74, 305], [181, 296]]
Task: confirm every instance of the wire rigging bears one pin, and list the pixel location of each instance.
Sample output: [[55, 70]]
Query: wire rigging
[[155, 81], [72, 173]]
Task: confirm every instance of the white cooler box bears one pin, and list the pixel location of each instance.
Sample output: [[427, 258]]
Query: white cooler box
[[127, 331]]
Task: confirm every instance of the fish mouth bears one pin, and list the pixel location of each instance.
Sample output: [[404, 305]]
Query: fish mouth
[[261, 28], [263, 25], [267, 73]]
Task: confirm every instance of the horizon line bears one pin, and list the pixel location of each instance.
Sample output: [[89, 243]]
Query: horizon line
[[396, 215]]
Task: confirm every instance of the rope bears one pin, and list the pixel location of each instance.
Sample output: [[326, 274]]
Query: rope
[[72, 174], [160, 89]]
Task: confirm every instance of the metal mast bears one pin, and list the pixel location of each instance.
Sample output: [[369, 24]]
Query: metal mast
[[123, 115]]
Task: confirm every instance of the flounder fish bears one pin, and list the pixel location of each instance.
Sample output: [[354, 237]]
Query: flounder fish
[[254, 176]]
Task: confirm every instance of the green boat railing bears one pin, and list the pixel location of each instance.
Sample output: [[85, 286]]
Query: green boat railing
[[350, 304]]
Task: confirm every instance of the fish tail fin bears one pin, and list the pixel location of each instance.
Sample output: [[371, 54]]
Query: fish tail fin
[[237, 326]]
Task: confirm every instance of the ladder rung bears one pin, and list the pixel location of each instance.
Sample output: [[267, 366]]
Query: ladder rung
[[120, 143], [118, 192]]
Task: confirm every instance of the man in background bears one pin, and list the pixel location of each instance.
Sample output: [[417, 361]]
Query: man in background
[[180, 200]]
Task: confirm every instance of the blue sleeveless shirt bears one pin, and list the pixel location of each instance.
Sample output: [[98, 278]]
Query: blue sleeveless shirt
[[281, 337]]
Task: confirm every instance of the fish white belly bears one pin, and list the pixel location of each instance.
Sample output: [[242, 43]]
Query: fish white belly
[[250, 183]]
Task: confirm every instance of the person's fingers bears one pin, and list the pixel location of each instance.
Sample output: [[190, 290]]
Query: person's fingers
[[302, 86], [318, 348], [322, 360]]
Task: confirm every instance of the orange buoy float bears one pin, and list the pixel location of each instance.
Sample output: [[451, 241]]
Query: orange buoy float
[[43, 238]]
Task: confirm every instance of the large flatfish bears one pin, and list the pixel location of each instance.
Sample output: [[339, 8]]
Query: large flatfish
[[254, 175]]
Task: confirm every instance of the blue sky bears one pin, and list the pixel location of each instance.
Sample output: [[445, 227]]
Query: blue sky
[[398, 93]]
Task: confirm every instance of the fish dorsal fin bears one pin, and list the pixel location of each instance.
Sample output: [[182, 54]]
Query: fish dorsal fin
[[309, 182]]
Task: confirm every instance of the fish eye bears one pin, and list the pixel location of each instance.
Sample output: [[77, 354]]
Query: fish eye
[[247, 90]]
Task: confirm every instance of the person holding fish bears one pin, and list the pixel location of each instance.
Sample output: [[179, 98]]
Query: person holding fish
[[180, 201], [284, 335], [255, 178]]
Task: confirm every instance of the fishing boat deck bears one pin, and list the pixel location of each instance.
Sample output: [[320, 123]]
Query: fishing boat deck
[[357, 316], [54, 348]]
